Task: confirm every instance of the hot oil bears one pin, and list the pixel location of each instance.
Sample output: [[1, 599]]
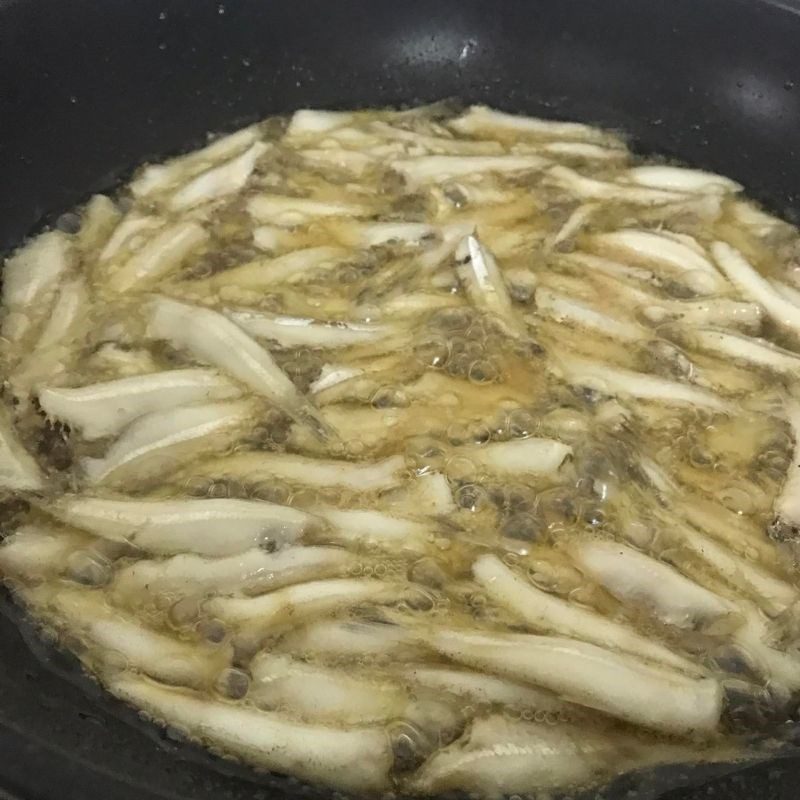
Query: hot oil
[[449, 382]]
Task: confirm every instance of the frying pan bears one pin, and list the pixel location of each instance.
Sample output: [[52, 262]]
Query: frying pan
[[88, 90]]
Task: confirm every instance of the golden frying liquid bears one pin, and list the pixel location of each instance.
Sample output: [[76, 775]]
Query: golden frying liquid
[[437, 287]]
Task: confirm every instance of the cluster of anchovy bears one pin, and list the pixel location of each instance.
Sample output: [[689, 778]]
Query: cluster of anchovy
[[300, 375]]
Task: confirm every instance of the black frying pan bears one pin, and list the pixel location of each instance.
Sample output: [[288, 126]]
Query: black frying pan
[[88, 89]]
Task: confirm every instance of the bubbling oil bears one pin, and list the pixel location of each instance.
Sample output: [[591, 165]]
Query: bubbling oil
[[494, 321]]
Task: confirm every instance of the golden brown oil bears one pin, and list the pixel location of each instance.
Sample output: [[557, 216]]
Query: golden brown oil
[[447, 383]]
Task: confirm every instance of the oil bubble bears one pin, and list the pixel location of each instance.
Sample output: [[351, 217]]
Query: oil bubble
[[460, 468], [233, 683], [483, 371], [184, 611], [212, 630], [471, 497], [432, 352], [88, 568]]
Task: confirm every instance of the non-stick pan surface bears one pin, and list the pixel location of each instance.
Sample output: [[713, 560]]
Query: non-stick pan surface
[[88, 89]]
